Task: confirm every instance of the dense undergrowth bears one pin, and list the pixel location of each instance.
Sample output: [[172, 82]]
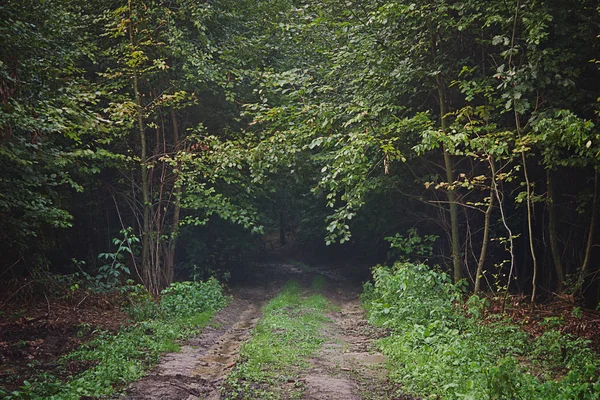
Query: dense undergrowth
[[111, 360], [441, 345], [288, 333]]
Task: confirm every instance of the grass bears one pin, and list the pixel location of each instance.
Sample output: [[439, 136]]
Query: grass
[[287, 335], [112, 360], [318, 283]]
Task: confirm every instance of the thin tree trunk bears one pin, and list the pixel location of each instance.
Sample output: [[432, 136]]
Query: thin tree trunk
[[486, 233], [146, 268], [590, 240], [552, 233], [510, 234], [170, 259], [449, 166], [530, 229]]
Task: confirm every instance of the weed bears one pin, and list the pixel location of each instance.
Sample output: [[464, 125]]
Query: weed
[[319, 283], [436, 349], [288, 333], [184, 299]]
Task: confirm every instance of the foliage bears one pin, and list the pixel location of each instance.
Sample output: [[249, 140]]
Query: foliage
[[141, 304], [110, 275], [412, 246], [45, 108], [288, 333], [184, 299], [436, 349]]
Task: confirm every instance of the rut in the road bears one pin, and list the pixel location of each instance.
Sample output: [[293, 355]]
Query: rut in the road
[[198, 370], [348, 366]]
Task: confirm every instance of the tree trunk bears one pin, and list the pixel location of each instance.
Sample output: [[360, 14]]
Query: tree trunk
[[170, 259], [486, 233], [530, 227], [560, 274], [146, 267], [590, 240], [449, 166]]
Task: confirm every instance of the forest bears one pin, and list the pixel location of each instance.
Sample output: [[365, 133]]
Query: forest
[[158, 154]]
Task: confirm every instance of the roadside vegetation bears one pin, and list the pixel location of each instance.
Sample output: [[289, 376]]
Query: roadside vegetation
[[441, 346], [287, 335], [110, 360]]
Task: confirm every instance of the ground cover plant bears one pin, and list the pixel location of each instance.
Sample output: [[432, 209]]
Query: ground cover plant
[[440, 345], [111, 360], [287, 335]]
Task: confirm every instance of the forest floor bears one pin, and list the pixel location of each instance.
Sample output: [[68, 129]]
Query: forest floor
[[35, 332]]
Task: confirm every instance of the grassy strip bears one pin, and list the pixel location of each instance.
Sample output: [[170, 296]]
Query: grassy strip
[[112, 360], [438, 350], [286, 336]]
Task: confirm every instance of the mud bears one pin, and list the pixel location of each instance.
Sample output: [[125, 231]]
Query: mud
[[197, 371]]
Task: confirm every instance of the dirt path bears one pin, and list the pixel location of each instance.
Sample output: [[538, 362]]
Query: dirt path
[[196, 372], [347, 367]]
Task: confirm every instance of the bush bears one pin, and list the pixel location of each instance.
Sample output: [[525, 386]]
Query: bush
[[184, 299], [141, 305], [436, 349]]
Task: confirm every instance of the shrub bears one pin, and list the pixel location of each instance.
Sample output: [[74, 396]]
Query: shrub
[[184, 299], [438, 349]]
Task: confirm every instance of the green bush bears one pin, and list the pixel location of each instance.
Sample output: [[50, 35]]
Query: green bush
[[141, 305], [183, 299], [437, 349]]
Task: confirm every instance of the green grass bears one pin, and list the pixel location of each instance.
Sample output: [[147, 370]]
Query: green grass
[[112, 360], [319, 283], [287, 335]]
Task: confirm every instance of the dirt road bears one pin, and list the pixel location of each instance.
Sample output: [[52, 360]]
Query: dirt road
[[346, 367]]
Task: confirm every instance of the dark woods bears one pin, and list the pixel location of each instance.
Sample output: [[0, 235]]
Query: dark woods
[[152, 140]]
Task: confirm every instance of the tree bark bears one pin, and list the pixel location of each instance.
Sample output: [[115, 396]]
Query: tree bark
[[486, 233], [552, 233], [590, 240], [170, 259], [449, 166], [530, 226], [145, 237]]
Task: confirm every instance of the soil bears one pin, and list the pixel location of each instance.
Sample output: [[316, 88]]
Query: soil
[[574, 320], [348, 365], [203, 362], [35, 333]]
